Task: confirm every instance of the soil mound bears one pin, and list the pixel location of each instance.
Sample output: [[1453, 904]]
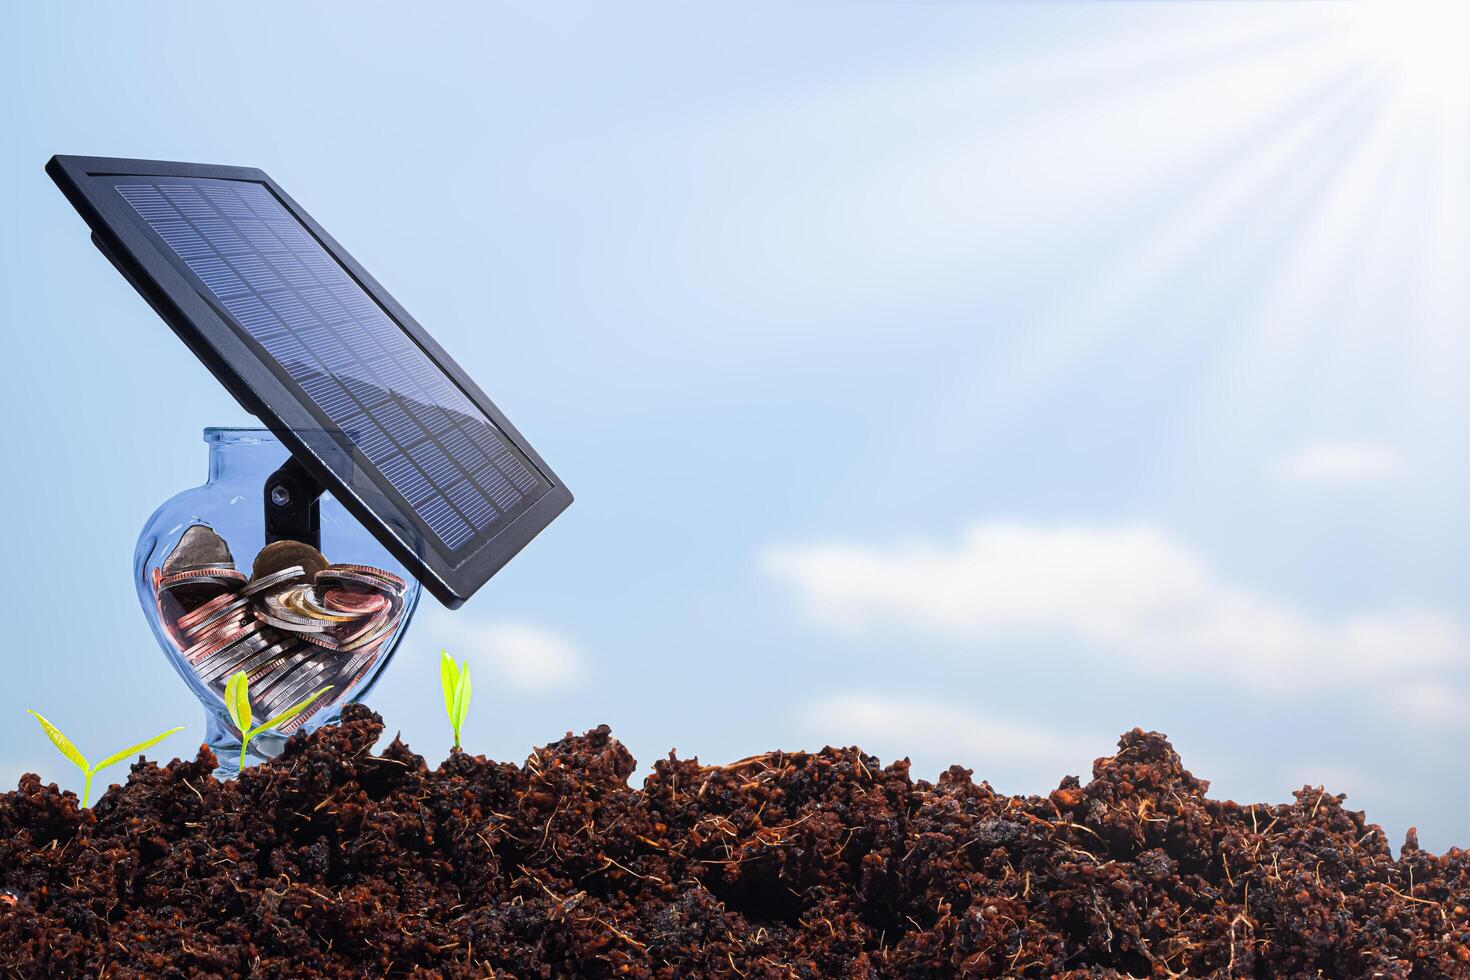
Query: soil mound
[[332, 862]]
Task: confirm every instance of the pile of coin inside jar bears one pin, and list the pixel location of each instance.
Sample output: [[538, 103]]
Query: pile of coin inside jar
[[295, 624]]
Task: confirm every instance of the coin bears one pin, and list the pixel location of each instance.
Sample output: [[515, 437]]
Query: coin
[[198, 545], [284, 670], [188, 619], [225, 578], [291, 573], [237, 604], [333, 577], [304, 680], [303, 601], [267, 662], [361, 603], [283, 554], [393, 581], [227, 661], [295, 625], [215, 630], [215, 642], [376, 630], [272, 609], [324, 640]]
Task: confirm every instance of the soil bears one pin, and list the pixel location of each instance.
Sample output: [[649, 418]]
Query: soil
[[332, 861]]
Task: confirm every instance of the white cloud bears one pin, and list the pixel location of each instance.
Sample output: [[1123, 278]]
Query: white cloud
[[1430, 704], [519, 655], [943, 733], [1339, 462], [1129, 592]]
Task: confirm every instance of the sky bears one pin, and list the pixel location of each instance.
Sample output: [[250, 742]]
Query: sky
[[971, 383]]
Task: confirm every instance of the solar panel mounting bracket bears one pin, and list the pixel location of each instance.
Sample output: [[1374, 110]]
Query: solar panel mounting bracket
[[293, 511]]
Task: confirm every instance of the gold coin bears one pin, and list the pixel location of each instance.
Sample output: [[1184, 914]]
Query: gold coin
[[283, 554]]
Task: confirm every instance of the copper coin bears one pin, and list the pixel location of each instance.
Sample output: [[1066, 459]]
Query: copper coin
[[213, 605], [358, 603], [324, 640], [383, 630], [283, 554], [224, 576], [239, 605], [216, 642], [178, 598], [357, 631], [223, 627], [302, 602]]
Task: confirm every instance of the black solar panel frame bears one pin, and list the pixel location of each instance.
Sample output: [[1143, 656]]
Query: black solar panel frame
[[89, 184]]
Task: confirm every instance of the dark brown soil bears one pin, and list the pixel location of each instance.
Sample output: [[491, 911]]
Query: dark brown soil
[[332, 861]]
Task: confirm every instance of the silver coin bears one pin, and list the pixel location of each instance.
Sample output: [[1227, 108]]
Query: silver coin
[[285, 576], [307, 602], [222, 663], [303, 681], [259, 661], [207, 582], [275, 611], [361, 581], [287, 625], [293, 724], [324, 640], [381, 632], [282, 673], [354, 670]]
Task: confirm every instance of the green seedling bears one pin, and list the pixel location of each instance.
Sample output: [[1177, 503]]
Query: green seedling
[[455, 680], [88, 771], [237, 703]]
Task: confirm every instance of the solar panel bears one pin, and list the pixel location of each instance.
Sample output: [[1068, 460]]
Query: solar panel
[[380, 414]]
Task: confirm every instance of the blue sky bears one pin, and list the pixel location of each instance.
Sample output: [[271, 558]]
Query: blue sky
[[967, 382]]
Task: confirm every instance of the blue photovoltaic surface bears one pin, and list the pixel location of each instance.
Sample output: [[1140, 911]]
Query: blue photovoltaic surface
[[364, 374]]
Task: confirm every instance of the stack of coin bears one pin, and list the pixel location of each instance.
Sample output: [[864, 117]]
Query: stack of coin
[[296, 624]]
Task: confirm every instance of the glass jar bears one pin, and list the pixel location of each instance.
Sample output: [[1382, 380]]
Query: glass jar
[[219, 601]]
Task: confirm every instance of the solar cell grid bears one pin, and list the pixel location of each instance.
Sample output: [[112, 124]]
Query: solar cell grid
[[362, 372]]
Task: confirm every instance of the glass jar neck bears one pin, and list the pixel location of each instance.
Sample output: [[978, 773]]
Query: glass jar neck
[[242, 454]]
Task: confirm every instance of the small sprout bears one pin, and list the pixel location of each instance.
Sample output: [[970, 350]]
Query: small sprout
[[88, 771], [456, 683], [237, 703]]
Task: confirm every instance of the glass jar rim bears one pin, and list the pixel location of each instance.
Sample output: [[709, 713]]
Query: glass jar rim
[[247, 434]]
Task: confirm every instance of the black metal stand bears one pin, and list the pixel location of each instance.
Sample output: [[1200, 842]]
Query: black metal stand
[[292, 511]]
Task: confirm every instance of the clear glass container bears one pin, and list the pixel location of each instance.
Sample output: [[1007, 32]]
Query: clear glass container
[[292, 629]]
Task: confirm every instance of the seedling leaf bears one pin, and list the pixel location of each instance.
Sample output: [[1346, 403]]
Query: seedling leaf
[[289, 713], [449, 680], [455, 679], [134, 750], [88, 771], [237, 700], [62, 742], [462, 698]]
